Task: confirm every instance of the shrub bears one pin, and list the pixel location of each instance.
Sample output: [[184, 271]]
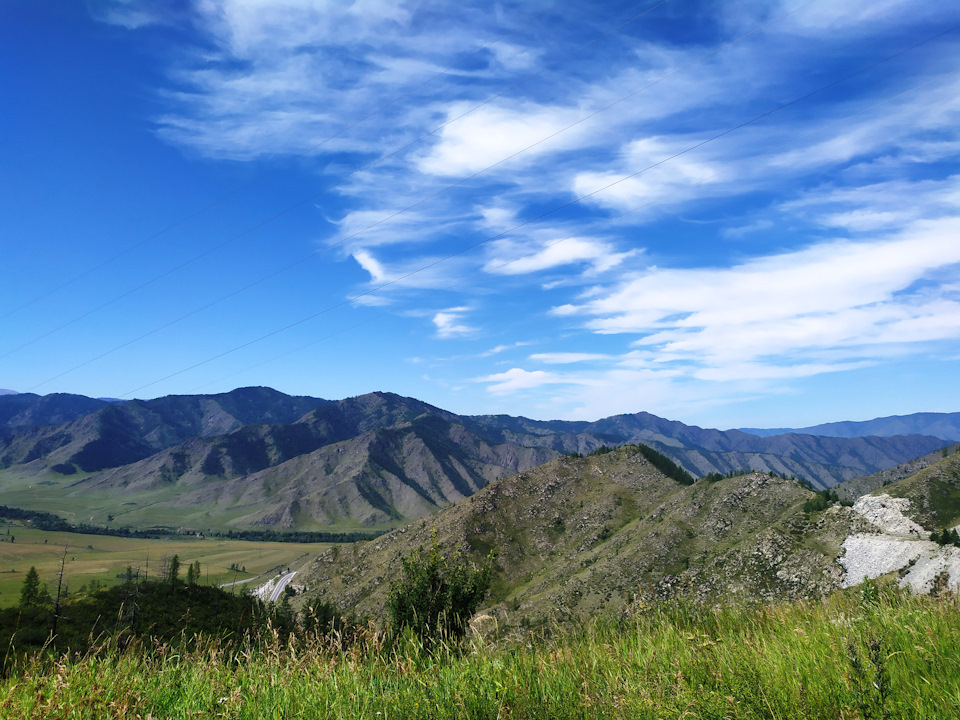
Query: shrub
[[821, 501], [437, 595]]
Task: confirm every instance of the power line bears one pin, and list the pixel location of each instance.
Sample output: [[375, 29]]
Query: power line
[[237, 190], [311, 197], [548, 213], [395, 214]]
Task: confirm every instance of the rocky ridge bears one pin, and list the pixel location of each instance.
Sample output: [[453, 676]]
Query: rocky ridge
[[578, 536]]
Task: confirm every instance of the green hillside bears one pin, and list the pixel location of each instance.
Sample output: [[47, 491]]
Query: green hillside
[[581, 535], [934, 492]]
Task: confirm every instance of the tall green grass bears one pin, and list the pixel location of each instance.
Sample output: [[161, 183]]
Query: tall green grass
[[877, 653]]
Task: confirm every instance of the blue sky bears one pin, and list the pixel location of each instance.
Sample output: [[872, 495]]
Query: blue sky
[[730, 214]]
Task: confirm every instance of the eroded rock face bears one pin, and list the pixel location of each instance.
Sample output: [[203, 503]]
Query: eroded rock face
[[935, 566], [870, 556], [922, 564], [887, 513]]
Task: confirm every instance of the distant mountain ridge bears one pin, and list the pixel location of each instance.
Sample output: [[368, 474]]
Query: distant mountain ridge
[[256, 457], [942, 425], [19, 411]]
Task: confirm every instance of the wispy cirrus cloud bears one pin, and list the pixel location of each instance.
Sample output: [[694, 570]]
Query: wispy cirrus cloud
[[882, 206], [619, 201], [566, 358], [134, 14], [517, 379], [512, 258], [838, 294]]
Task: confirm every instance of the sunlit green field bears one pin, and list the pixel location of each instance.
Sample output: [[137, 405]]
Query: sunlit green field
[[861, 655], [161, 507], [105, 559]]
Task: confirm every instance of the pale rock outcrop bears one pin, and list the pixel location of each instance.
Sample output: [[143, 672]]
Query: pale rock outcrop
[[887, 513], [920, 562]]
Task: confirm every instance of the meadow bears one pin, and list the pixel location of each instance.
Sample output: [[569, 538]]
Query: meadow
[[102, 560], [154, 508], [874, 652]]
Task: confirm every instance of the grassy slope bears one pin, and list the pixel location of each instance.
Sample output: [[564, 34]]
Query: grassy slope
[[578, 535], [856, 656], [162, 506], [934, 493], [852, 489]]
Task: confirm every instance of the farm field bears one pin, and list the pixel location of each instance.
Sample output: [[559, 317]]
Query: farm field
[[103, 559]]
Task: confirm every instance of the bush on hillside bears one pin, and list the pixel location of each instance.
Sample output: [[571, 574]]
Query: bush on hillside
[[436, 594], [946, 537]]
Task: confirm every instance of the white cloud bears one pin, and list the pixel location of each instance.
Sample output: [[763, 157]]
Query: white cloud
[[449, 323], [878, 206], [246, 26], [499, 217], [508, 257], [843, 20], [591, 394], [837, 294], [295, 76], [492, 134], [760, 225], [514, 57], [517, 379], [280, 77], [131, 14], [503, 348], [754, 371], [416, 273], [381, 227], [378, 273], [917, 126], [820, 18], [657, 170]]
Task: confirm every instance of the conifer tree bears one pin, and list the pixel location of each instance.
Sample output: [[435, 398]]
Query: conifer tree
[[30, 591], [174, 571]]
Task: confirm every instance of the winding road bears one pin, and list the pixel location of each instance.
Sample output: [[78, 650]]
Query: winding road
[[281, 584]]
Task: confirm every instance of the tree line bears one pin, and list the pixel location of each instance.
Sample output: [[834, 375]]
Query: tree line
[[54, 523], [165, 607], [660, 461]]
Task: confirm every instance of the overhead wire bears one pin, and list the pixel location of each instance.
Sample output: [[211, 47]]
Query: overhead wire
[[327, 188], [259, 178], [583, 119], [554, 210]]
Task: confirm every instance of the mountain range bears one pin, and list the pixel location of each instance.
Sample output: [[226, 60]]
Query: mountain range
[[255, 457], [941, 425]]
